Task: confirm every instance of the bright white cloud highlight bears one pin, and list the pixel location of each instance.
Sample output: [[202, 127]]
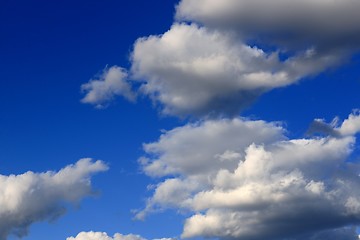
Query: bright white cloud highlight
[[111, 83], [33, 197], [244, 179]]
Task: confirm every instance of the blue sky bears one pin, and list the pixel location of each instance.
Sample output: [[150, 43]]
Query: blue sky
[[201, 94]]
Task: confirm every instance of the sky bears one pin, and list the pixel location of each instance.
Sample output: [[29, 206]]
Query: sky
[[186, 119]]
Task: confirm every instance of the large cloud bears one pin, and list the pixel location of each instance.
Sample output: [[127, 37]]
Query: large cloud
[[194, 70], [243, 179], [33, 197]]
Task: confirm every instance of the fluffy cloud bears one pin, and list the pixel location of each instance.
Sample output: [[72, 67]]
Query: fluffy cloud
[[33, 197], [201, 148], [244, 179], [104, 236], [194, 70], [112, 82]]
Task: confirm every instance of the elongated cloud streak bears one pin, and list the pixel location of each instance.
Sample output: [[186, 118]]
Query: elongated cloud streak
[[104, 236]]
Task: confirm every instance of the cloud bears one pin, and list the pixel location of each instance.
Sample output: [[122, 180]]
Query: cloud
[[244, 179], [219, 56], [288, 24], [194, 70], [112, 82], [104, 236], [203, 147], [33, 197]]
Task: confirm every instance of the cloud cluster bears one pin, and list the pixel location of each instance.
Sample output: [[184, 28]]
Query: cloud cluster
[[240, 178], [104, 236], [244, 179], [220, 56], [111, 83], [33, 197]]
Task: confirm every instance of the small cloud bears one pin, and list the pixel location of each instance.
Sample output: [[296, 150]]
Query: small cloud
[[104, 236], [111, 83]]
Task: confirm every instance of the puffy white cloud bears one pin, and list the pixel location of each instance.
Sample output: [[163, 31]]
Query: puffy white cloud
[[325, 23], [244, 179], [104, 236], [194, 70], [112, 82], [33, 197], [204, 147]]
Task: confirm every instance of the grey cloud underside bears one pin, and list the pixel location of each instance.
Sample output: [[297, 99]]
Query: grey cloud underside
[[33, 197], [326, 24], [244, 179]]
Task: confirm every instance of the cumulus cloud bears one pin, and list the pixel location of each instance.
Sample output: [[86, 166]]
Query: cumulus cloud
[[194, 70], [33, 197], [244, 179], [111, 83], [203, 147], [104, 236]]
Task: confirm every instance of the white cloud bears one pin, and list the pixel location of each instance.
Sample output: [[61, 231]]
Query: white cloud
[[200, 148], [33, 197], [112, 82], [269, 187], [194, 70], [104, 236]]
